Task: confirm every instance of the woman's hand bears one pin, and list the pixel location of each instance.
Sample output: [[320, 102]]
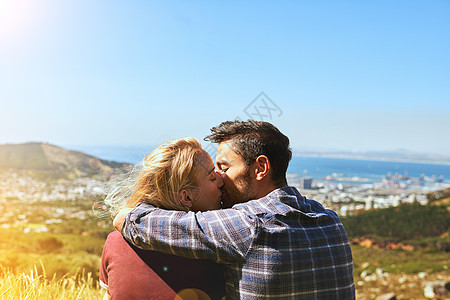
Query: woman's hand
[[119, 219]]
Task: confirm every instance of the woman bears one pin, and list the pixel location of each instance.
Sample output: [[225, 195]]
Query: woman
[[176, 175]]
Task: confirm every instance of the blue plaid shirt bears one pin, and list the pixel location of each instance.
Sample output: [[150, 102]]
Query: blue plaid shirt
[[281, 246]]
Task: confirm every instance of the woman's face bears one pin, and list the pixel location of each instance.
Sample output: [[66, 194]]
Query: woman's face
[[207, 195]]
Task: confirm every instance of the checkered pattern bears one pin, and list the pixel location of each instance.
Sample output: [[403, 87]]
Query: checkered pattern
[[282, 246]]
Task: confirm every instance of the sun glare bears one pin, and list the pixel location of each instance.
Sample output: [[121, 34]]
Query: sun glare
[[16, 17]]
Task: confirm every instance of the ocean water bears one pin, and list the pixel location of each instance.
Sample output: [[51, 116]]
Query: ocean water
[[127, 154], [319, 167], [302, 166]]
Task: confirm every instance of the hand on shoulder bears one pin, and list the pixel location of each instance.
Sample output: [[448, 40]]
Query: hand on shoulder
[[119, 219]]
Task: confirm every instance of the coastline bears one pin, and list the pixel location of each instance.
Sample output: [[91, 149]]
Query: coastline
[[372, 158]]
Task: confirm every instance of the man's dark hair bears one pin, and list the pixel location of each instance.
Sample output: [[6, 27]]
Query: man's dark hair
[[254, 138]]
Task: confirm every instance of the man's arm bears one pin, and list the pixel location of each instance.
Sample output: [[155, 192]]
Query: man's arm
[[220, 235]]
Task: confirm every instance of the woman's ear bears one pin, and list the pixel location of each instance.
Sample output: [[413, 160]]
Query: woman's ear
[[185, 198], [262, 167]]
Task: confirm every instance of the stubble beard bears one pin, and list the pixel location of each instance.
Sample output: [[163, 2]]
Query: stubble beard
[[242, 191]]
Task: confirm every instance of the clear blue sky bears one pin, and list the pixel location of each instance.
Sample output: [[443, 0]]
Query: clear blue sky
[[350, 75]]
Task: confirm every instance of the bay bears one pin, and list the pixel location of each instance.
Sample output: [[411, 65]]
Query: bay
[[301, 166], [319, 167]]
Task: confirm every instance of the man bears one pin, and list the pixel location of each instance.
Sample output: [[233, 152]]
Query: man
[[278, 246]]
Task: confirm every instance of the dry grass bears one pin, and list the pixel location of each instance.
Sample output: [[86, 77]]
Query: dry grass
[[30, 285]]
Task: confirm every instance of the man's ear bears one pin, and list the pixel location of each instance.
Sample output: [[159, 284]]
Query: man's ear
[[262, 167], [185, 198]]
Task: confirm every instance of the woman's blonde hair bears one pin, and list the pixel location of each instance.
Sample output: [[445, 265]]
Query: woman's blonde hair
[[160, 176]]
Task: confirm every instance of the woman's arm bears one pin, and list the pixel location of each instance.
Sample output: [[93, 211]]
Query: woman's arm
[[120, 218]]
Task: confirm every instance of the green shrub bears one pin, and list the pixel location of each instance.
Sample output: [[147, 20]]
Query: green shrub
[[409, 221], [50, 244]]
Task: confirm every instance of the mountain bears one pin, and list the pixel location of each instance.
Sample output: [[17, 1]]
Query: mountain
[[49, 161]]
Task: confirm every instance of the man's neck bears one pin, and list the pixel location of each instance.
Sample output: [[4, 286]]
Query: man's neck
[[265, 189]]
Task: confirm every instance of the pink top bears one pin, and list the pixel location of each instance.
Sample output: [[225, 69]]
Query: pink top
[[131, 273]]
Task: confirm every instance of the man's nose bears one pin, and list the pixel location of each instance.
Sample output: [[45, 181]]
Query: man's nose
[[219, 179]]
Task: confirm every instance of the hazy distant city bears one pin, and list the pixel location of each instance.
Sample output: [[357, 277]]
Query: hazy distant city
[[346, 195]]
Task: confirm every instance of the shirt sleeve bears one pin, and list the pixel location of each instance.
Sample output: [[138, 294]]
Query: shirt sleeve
[[221, 235]]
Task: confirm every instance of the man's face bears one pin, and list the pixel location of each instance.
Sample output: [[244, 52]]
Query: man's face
[[236, 176]]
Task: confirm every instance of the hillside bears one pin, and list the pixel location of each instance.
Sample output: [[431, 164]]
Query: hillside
[[409, 226], [408, 221], [47, 161]]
